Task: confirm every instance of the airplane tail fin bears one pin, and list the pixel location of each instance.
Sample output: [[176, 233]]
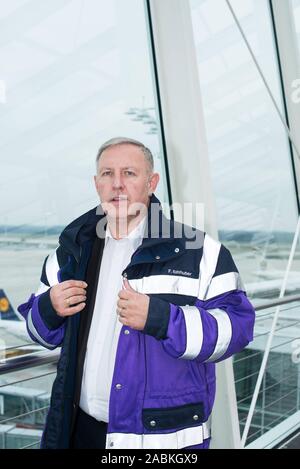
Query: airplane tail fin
[[7, 311]]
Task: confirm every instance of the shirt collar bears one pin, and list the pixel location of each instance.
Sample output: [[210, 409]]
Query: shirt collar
[[135, 236]]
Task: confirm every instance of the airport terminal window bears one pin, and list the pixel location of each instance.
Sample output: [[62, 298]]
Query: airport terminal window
[[248, 147], [72, 75], [24, 402], [295, 6], [254, 187]]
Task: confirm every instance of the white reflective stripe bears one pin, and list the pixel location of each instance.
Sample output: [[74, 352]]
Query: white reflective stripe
[[224, 333], [225, 283], [42, 288], [166, 284], [35, 333], [176, 440], [52, 269], [207, 428], [208, 263], [194, 332]]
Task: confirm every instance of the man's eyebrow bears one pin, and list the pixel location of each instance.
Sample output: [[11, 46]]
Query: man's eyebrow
[[125, 167]]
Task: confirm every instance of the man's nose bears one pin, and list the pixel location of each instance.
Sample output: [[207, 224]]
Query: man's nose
[[118, 181]]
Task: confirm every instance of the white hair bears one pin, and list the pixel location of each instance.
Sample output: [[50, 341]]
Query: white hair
[[124, 140]]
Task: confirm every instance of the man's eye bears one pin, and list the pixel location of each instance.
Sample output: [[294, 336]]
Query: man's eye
[[129, 173], [105, 173]]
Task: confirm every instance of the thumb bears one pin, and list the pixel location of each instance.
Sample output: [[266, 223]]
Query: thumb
[[127, 285]]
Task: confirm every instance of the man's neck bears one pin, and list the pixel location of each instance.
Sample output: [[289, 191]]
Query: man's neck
[[122, 227]]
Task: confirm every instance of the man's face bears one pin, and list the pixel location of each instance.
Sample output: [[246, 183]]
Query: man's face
[[124, 180]]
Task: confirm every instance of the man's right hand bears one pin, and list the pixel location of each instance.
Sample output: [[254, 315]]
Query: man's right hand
[[66, 294]]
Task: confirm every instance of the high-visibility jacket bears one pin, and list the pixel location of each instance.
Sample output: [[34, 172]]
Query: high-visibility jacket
[[163, 385]]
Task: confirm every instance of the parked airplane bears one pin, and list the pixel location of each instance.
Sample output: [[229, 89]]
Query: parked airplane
[[7, 312], [12, 326]]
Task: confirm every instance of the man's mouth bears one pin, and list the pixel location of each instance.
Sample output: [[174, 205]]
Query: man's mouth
[[119, 198]]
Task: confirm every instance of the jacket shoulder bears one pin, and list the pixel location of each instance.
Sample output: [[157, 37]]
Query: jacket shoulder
[[190, 235], [81, 220]]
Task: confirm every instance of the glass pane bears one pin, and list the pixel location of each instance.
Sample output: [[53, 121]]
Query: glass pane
[[280, 390], [24, 403], [72, 75], [255, 192], [248, 146], [295, 7]]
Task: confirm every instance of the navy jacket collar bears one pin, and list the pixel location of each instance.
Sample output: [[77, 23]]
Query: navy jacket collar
[[160, 234]]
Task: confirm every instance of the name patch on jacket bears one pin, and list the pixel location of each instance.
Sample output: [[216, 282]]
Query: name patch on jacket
[[179, 272]]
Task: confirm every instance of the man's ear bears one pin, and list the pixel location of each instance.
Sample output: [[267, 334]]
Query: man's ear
[[152, 183], [96, 184]]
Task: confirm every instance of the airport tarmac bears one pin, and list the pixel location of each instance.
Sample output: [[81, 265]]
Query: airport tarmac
[[20, 269]]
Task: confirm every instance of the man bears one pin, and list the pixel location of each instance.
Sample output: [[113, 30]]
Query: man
[[140, 316]]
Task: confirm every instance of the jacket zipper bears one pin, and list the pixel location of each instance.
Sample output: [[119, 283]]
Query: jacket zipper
[[143, 336]]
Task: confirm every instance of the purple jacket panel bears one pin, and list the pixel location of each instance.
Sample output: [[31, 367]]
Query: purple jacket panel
[[38, 330], [241, 315]]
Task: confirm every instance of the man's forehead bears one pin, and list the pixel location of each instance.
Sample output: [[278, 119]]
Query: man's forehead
[[121, 161], [122, 157], [122, 149]]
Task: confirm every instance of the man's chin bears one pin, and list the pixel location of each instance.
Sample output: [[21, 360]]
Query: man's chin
[[115, 209], [117, 215], [122, 210]]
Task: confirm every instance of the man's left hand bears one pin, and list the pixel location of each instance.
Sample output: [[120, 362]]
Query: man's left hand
[[132, 307]]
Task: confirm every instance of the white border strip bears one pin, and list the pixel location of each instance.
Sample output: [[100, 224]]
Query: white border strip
[[166, 284], [177, 440], [224, 333], [42, 289], [35, 333], [52, 268], [194, 332], [208, 263], [225, 283]]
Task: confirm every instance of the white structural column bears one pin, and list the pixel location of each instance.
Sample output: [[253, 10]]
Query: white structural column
[[290, 63], [188, 161], [182, 107]]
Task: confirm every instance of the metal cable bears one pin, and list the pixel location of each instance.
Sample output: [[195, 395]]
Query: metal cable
[[263, 79]]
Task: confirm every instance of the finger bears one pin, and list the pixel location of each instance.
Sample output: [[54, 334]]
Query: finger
[[72, 291], [128, 286], [124, 294], [122, 304], [120, 312], [73, 283], [124, 321], [74, 300], [74, 309]]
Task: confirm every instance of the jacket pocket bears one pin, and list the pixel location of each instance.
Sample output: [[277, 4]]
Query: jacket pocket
[[166, 418]]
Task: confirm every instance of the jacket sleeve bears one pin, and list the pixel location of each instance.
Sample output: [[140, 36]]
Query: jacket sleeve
[[44, 326], [218, 325]]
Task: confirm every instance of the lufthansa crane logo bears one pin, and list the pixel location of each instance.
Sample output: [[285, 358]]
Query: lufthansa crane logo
[[4, 305]]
